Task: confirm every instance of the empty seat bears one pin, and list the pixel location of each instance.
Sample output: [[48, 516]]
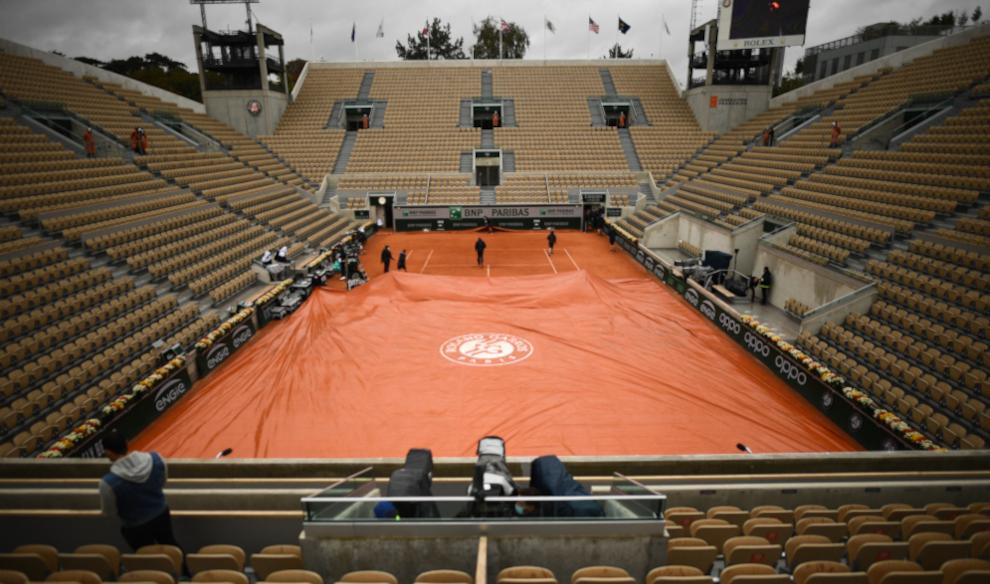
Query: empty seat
[[749, 549], [519, 574], [80, 576], [966, 571], [812, 548], [901, 572], [691, 551], [932, 549], [752, 574], [230, 576], [601, 575], [216, 557], [369, 577], [156, 576], [306, 577], [12, 577], [826, 572], [673, 574]]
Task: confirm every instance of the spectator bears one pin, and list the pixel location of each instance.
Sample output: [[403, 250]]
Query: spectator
[[133, 491], [766, 136], [496, 120], [283, 255], [135, 140], [266, 258], [766, 281], [836, 132], [622, 119], [90, 143], [144, 141], [386, 257], [773, 136], [364, 121]]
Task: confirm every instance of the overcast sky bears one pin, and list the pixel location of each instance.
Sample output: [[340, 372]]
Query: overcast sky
[[106, 29]]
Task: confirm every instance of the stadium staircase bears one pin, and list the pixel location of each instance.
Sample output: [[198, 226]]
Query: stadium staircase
[[340, 165], [486, 84], [364, 92], [629, 149], [608, 84]]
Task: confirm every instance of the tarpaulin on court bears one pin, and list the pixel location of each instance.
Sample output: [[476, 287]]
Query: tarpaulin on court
[[566, 364]]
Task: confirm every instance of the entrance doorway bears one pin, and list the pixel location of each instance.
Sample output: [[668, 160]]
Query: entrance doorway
[[354, 116], [487, 115], [381, 208], [616, 112], [487, 168], [594, 209]]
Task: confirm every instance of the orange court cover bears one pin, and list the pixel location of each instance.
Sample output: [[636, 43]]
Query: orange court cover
[[569, 364]]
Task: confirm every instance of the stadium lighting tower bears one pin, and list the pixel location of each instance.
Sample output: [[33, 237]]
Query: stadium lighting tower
[[247, 8]]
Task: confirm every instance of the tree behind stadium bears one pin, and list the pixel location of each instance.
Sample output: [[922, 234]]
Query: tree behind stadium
[[440, 44], [515, 41], [616, 52]]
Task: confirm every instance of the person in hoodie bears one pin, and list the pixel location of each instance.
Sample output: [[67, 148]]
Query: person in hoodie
[[132, 491]]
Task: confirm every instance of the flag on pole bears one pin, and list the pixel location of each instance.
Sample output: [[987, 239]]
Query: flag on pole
[[623, 26], [353, 32], [506, 27], [549, 25], [381, 29], [426, 30], [665, 27], [592, 25]]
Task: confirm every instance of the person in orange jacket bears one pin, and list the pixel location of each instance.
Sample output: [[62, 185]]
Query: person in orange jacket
[[836, 132], [90, 143], [496, 120], [622, 119], [134, 140]]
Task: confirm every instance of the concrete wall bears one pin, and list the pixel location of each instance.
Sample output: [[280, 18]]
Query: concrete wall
[[884, 45], [82, 69], [893, 61], [798, 278], [735, 104], [858, 302], [405, 557], [230, 107], [666, 233], [564, 555]]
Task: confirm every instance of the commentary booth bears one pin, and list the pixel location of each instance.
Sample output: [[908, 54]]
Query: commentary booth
[[341, 532]]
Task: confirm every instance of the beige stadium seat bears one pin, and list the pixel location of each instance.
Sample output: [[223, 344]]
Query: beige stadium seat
[[601, 575], [32, 565], [691, 551], [674, 573], [295, 576], [525, 574], [266, 562], [752, 574], [966, 571], [901, 572], [824, 572], [714, 531], [931, 549], [92, 562], [12, 577], [812, 548], [80, 576], [750, 549], [156, 576], [227, 576], [865, 549], [369, 577], [159, 557], [216, 557]]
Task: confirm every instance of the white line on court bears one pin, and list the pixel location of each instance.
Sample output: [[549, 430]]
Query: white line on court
[[488, 269], [551, 261], [426, 263], [576, 267]]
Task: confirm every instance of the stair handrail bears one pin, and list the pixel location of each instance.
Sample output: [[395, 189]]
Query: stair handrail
[[926, 113]]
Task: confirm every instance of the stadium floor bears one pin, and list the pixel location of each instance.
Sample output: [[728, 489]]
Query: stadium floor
[[579, 354]]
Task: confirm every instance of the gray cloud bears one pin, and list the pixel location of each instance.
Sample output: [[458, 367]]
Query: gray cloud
[[106, 29]]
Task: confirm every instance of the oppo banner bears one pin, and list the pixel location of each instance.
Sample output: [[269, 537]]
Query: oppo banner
[[446, 218], [870, 433]]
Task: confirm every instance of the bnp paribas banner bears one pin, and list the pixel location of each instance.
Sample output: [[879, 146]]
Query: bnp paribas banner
[[469, 217]]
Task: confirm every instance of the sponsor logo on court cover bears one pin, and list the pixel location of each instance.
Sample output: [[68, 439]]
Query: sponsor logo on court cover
[[486, 349]]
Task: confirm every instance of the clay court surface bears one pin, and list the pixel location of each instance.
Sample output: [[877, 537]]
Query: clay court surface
[[581, 353]]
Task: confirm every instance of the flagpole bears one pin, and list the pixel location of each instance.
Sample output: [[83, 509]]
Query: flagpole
[[587, 34], [544, 37], [615, 36], [500, 41]]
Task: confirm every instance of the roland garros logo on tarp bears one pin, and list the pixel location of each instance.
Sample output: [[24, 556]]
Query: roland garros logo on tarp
[[486, 349]]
